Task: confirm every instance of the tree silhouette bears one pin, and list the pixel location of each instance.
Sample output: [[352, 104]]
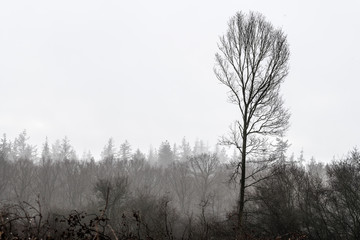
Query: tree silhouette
[[252, 62]]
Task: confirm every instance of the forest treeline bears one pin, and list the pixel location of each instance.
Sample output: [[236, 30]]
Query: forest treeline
[[175, 192]]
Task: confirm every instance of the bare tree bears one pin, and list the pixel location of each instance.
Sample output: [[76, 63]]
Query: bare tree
[[252, 62], [180, 181], [203, 168]]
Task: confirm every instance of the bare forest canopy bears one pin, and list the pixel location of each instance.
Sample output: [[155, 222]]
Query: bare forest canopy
[[167, 194]]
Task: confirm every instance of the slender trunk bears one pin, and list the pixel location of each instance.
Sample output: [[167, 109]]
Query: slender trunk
[[242, 185], [242, 177]]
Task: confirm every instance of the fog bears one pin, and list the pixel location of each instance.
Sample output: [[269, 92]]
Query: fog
[[189, 120]]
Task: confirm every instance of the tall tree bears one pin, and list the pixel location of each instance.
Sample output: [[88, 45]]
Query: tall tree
[[47, 175], [166, 155], [22, 149], [66, 151], [109, 150], [23, 155], [5, 166], [185, 150], [125, 151], [252, 62]]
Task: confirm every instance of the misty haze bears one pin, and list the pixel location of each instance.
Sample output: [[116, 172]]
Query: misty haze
[[179, 120]]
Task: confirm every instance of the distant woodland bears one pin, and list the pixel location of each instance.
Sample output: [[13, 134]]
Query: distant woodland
[[178, 191]]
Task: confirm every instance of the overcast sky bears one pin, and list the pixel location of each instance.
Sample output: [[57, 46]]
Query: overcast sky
[[143, 71]]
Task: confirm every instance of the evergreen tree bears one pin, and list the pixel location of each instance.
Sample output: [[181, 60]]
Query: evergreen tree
[[109, 150], [21, 148], [66, 151], [45, 154], [125, 151], [5, 148], [166, 155], [138, 156], [185, 150]]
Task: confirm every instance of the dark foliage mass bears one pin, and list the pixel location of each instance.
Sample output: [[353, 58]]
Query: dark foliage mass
[[178, 192]]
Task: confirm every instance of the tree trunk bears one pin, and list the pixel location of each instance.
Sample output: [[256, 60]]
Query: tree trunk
[[242, 187]]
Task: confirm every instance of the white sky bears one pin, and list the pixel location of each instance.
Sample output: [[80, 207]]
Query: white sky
[[143, 71]]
